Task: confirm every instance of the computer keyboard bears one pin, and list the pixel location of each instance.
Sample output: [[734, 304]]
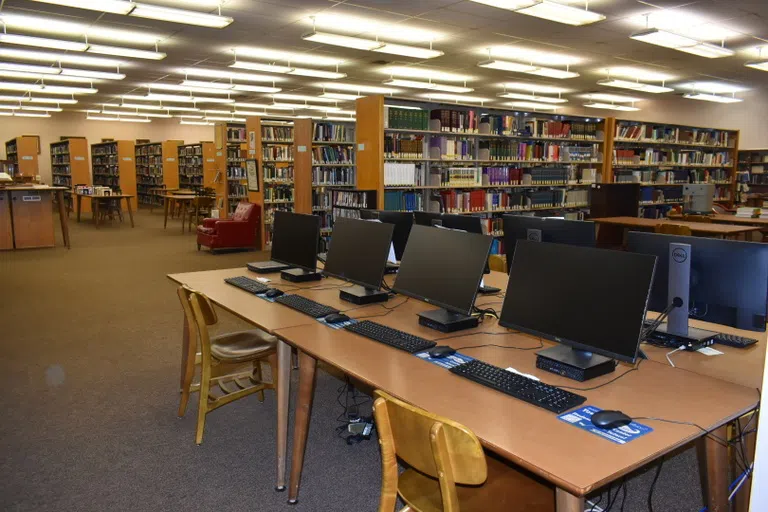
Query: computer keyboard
[[488, 289], [734, 341], [306, 306], [390, 336], [247, 284], [529, 390]]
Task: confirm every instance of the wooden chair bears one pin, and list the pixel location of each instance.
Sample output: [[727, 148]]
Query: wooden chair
[[225, 360], [697, 218], [498, 262], [668, 228], [448, 469]]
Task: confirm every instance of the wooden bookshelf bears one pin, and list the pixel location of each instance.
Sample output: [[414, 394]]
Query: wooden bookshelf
[[114, 166], [69, 168], [752, 174], [231, 137], [333, 168], [156, 165], [664, 156], [438, 148], [22, 153]]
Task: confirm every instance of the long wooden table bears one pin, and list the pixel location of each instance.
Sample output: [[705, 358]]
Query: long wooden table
[[697, 228], [96, 204], [183, 199], [26, 216], [727, 218], [573, 461]]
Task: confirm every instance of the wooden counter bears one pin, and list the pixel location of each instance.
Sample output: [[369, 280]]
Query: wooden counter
[[26, 217]]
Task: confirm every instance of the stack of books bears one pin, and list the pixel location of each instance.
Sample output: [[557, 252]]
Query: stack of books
[[748, 213]]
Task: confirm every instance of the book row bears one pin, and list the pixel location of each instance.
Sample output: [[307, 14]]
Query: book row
[[235, 134], [351, 199], [328, 132], [333, 176], [661, 156], [277, 152], [277, 133], [670, 134], [274, 173], [333, 155], [149, 149]]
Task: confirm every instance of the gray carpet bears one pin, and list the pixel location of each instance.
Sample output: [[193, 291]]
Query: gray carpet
[[89, 368]]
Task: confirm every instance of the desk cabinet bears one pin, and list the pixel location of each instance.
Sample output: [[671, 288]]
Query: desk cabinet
[[32, 218], [6, 226]]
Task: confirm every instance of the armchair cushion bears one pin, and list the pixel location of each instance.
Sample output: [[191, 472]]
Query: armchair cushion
[[239, 231]]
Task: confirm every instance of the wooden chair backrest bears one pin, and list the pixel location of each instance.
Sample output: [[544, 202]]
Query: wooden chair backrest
[[668, 228], [435, 446], [697, 218], [498, 262]]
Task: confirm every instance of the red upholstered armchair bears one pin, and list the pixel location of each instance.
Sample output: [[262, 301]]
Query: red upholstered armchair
[[238, 232]]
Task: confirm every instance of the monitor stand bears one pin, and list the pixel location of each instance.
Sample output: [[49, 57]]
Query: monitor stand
[[363, 295], [574, 364], [447, 321], [299, 275]]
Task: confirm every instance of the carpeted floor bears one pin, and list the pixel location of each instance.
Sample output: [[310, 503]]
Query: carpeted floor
[[89, 365]]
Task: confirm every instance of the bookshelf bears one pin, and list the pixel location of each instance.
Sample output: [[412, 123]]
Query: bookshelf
[[334, 171], [234, 135], [662, 157], [69, 167], [752, 173], [21, 154], [156, 165], [114, 166]]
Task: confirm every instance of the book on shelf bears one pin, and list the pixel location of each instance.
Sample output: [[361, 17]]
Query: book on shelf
[[329, 154], [672, 134], [273, 173], [455, 121], [454, 201], [353, 199], [333, 176], [401, 145], [544, 151], [235, 134], [405, 119], [332, 132], [279, 153], [409, 174], [278, 194], [277, 133], [450, 148], [553, 129], [651, 156]]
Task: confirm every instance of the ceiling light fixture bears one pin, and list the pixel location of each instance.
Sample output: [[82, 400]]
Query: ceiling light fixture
[[30, 114], [532, 105], [681, 43], [201, 86], [185, 88], [179, 98], [49, 89], [355, 88], [530, 69], [762, 65], [358, 43], [228, 75], [40, 109], [271, 68], [126, 52], [416, 72], [302, 97], [196, 123], [340, 96], [455, 97], [88, 30], [276, 55], [342, 119], [534, 87], [218, 118], [414, 84], [611, 106], [561, 13], [62, 101], [297, 106], [712, 87], [634, 86], [532, 97], [57, 44], [711, 97], [63, 58]]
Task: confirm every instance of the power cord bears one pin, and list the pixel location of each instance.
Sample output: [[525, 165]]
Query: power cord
[[653, 485], [678, 349], [354, 427]]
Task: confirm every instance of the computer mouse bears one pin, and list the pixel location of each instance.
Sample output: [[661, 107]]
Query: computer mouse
[[610, 419], [335, 318], [273, 292], [441, 351]]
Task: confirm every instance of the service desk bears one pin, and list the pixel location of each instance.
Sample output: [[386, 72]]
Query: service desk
[[26, 216]]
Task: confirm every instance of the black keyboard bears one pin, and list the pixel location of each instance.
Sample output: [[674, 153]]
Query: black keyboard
[[306, 306], [390, 336], [247, 284], [734, 341], [528, 390], [488, 289]]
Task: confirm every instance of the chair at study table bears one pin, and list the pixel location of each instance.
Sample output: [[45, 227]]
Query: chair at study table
[[225, 360], [498, 262], [447, 468], [668, 228], [697, 218]]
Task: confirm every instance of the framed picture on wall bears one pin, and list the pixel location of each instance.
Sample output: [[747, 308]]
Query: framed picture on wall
[[252, 173]]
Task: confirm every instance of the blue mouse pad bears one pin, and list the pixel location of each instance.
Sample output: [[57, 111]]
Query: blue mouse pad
[[582, 418], [339, 325], [446, 362]]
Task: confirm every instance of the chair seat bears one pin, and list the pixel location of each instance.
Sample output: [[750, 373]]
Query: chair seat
[[506, 489], [242, 346]]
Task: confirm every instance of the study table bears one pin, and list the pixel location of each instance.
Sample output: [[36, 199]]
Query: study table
[[96, 204], [182, 199], [26, 216], [697, 228], [727, 218], [574, 462]]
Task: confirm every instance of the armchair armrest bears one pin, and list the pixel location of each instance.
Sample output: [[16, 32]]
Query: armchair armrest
[[209, 223]]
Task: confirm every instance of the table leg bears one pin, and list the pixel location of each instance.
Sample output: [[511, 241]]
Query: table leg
[[63, 218], [307, 366], [166, 204], [79, 201], [130, 210], [183, 214], [283, 394], [567, 502], [95, 203], [713, 456], [741, 498]]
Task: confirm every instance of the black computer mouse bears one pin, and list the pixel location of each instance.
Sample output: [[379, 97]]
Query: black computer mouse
[[441, 351], [335, 318], [273, 292], [610, 419]]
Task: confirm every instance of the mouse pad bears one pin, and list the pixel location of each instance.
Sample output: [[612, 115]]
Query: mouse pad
[[446, 362], [621, 435], [339, 325]]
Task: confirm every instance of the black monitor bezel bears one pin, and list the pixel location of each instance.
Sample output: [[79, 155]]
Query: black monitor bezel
[[317, 244], [383, 265]]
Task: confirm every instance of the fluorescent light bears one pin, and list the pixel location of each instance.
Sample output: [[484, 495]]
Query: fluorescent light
[[189, 116], [110, 6], [355, 88], [126, 52], [611, 97], [29, 68], [41, 109], [663, 38], [42, 42], [185, 88], [340, 96], [140, 107], [14, 98], [506, 66], [196, 123], [316, 73], [201, 86], [634, 86], [302, 97], [271, 68], [62, 101], [711, 97], [454, 97], [356, 43], [183, 99], [300, 58], [532, 97], [10, 107], [712, 87], [534, 87], [683, 22], [409, 51], [50, 89], [637, 74], [99, 75], [762, 65], [426, 85], [357, 25], [228, 75], [334, 118], [554, 73], [180, 109], [91, 117], [510, 5], [200, 19], [29, 114], [65, 58], [134, 120], [49, 78], [533, 105], [707, 50], [121, 113], [415, 72], [6, 114], [611, 106], [297, 106], [68, 28], [234, 119], [532, 56], [225, 112], [561, 13], [405, 107]]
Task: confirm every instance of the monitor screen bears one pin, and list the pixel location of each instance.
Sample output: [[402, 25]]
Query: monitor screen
[[590, 299], [402, 222], [358, 251], [443, 267], [295, 239], [729, 279], [541, 229], [425, 218]]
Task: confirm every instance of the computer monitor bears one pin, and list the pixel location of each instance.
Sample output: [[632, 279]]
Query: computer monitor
[[728, 281], [425, 218], [402, 222], [443, 267], [540, 229], [295, 239], [592, 301], [358, 251], [468, 223]]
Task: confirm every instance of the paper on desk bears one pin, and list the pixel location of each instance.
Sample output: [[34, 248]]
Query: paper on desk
[[709, 351], [262, 279]]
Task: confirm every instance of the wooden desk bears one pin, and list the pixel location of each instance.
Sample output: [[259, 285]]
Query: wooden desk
[[26, 216], [181, 198], [727, 218], [96, 203], [698, 228]]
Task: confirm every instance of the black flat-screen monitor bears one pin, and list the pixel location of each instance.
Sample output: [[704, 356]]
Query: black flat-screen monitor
[[589, 299], [358, 251], [540, 229], [468, 223], [425, 218], [443, 267], [729, 279], [403, 221], [295, 239]]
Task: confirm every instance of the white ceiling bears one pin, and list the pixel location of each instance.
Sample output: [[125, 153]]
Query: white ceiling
[[466, 29]]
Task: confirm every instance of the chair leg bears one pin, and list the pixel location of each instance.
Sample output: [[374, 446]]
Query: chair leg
[[260, 379], [187, 369], [202, 407]]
